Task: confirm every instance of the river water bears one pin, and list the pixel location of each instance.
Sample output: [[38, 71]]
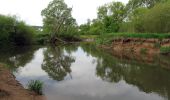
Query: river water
[[84, 72]]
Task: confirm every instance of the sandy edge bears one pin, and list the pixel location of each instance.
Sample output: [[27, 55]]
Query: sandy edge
[[11, 89]]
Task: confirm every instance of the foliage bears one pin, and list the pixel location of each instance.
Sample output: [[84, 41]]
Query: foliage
[[157, 19], [165, 50], [14, 31], [110, 17], [41, 38], [133, 4], [144, 19], [58, 20], [36, 86], [138, 16], [107, 38], [143, 50]]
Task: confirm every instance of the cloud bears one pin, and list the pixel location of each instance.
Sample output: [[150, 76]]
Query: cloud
[[30, 10]]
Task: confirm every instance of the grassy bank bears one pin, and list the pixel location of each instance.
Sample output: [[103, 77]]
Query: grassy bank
[[107, 38]]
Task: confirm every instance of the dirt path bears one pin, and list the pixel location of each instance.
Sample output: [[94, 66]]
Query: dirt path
[[10, 89]]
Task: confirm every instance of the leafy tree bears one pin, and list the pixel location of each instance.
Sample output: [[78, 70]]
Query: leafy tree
[[133, 4], [112, 15], [13, 31], [157, 19], [58, 20]]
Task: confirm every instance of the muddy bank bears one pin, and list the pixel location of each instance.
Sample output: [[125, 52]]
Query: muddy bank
[[10, 89], [143, 50]]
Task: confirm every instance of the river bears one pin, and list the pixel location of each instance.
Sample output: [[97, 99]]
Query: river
[[84, 72]]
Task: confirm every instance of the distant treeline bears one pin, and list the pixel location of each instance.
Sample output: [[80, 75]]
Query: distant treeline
[[15, 32], [137, 16]]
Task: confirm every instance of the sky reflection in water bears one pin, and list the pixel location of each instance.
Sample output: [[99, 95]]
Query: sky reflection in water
[[82, 73]]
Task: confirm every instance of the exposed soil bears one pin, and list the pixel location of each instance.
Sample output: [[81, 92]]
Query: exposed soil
[[10, 89], [145, 50]]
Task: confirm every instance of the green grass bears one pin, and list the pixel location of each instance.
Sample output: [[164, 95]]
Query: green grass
[[36, 86], [88, 36], [165, 50], [143, 51], [107, 38], [138, 35]]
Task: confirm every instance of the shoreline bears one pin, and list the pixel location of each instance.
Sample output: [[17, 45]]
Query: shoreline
[[11, 89], [143, 50]]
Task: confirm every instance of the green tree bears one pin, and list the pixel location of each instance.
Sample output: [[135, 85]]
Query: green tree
[[112, 15], [58, 20], [133, 4], [157, 19]]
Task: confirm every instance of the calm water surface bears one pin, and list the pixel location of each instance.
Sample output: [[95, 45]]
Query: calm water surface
[[82, 72]]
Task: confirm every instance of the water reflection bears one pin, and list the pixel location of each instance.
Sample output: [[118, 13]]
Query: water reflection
[[16, 57], [147, 77], [57, 62], [83, 72]]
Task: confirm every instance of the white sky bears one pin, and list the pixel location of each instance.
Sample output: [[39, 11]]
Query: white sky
[[30, 10]]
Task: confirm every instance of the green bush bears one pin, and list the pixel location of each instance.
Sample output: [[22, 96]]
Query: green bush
[[36, 86], [13, 31]]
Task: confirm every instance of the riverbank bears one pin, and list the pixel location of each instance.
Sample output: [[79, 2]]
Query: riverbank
[[140, 49], [11, 89]]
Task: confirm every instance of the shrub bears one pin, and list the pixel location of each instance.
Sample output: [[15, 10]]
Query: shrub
[[13, 31], [36, 86]]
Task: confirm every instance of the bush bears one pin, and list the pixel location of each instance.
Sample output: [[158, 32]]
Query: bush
[[13, 31], [36, 86]]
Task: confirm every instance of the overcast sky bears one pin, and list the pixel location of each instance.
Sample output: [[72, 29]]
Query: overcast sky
[[30, 10]]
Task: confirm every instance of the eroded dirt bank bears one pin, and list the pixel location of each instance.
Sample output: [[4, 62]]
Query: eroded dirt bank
[[143, 50], [10, 89]]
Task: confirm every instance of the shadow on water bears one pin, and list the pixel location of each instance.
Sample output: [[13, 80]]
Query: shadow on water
[[61, 61]]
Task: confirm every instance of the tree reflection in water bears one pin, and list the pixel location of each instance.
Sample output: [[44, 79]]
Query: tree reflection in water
[[57, 62], [150, 78], [15, 57]]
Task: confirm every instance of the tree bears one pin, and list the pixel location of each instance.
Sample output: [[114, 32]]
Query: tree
[[57, 19], [157, 19], [112, 15], [133, 4]]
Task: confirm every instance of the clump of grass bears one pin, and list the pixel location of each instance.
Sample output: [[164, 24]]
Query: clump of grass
[[36, 86], [157, 45], [143, 51], [165, 50]]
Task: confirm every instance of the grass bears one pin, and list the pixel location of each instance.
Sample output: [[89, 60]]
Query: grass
[[88, 36], [36, 86], [165, 50], [107, 38], [139, 35], [143, 51]]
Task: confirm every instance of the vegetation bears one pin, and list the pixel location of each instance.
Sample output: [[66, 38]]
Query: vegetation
[[143, 51], [58, 21], [165, 50], [107, 38], [36, 86], [138, 16], [15, 32]]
